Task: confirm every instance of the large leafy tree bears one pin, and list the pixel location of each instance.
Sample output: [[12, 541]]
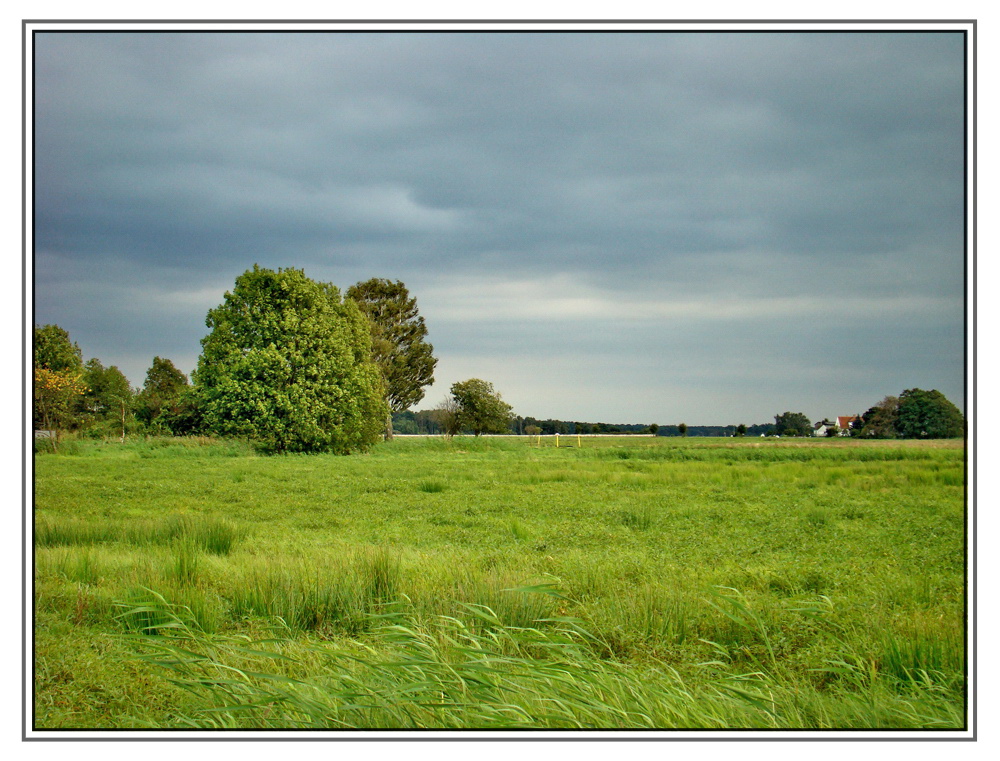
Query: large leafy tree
[[928, 415], [480, 407], [399, 345], [288, 364]]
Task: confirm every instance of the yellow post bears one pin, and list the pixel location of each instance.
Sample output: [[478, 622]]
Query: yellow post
[[579, 443], [557, 441]]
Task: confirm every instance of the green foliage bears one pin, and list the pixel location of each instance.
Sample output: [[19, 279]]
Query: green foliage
[[288, 364], [879, 422], [914, 414], [54, 351], [399, 347], [791, 424], [109, 399], [160, 401], [928, 415], [480, 408], [682, 429], [58, 378]]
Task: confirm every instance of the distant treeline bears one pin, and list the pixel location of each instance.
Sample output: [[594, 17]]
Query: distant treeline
[[425, 422]]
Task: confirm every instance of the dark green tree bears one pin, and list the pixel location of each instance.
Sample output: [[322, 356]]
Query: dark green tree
[[480, 407], [879, 422], [928, 415], [399, 345], [183, 416], [160, 393], [792, 424], [741, 429], [682, 429], [288, 363], [653, 429]]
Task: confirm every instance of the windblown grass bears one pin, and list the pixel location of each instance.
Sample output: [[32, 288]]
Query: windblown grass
[[450, 675]]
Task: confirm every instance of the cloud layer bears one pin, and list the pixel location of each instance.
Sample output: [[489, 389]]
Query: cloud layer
[[713, 227]]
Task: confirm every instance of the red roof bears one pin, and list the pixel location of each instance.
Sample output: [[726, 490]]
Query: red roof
[[845, 422]]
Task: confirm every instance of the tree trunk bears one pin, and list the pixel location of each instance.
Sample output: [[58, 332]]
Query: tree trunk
[[388, 427]]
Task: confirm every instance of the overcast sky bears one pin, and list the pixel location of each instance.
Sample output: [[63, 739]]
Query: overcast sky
[[659, 227]]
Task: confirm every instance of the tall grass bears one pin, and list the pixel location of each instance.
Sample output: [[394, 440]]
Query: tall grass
[[453, 675], [214, 535]]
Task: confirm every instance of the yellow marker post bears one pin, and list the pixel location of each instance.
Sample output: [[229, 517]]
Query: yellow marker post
[[578, 442], [557, 441]]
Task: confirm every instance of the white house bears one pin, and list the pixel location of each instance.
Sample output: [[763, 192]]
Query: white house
[[843, 426]]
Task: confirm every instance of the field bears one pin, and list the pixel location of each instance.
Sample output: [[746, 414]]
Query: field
[[645, 583]]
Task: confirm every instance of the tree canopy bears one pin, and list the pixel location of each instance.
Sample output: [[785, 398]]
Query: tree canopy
[[480, 407], [108, 391], [914, 414], [879, 422], [399, 347], [288, 364], [160, 393], [53, 350], [928, 415], [792, 424]]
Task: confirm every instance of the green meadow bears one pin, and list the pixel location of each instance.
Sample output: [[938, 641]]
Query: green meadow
[[492, 583]]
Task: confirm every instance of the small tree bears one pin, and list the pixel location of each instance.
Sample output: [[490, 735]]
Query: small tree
[[654, 428], [161, 393], [55, 394], [399, 347], [56, 390], [534, 430], [682, 429], [480, 407], [879, 422], [446, 416], [741, 429], [108, 400]]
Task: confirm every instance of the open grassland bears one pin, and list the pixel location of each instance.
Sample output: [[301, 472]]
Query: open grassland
[[493, 583]]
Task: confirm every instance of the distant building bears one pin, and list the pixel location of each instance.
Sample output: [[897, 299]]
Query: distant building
[[822, 428], [842, 426], [845, 423]]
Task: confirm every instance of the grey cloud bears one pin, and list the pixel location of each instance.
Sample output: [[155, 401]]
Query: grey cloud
[[684, 165]]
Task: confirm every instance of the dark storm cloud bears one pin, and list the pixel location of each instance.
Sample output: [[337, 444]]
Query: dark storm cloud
[[654, 168]]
